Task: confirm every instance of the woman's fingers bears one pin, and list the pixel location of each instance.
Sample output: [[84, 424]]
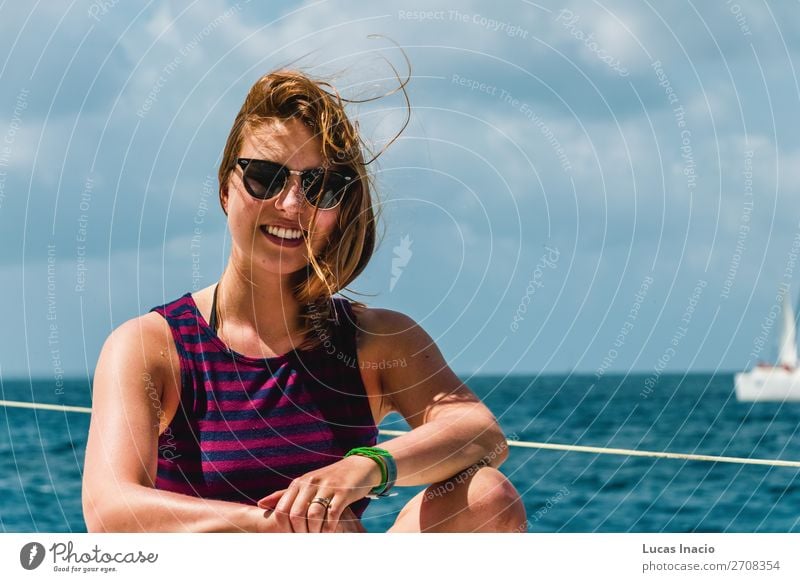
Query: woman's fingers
[[284, 508], [271, 500], [335, 512], [299, 507], [317, 512], [294, 511]]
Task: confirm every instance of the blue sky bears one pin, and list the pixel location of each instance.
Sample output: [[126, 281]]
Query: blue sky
[[582, 186]]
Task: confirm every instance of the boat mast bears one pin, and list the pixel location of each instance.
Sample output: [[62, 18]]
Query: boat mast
[[787, 354]]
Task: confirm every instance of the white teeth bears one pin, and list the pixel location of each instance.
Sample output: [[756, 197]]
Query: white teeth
[[284, 232]]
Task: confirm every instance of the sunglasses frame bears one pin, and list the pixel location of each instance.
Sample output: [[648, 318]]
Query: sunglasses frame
[[282, 170]]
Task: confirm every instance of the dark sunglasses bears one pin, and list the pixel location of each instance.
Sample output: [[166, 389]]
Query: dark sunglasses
[[322, 188]]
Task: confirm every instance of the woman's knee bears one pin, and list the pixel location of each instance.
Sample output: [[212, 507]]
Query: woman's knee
[[492, 496]]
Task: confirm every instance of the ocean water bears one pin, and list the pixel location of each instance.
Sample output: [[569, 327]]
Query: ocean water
[[41, 456]]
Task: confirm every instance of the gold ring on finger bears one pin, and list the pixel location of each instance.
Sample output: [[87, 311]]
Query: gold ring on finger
[[325, 501]]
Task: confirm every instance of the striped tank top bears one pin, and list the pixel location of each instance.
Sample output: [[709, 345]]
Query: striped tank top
[[247, 426]]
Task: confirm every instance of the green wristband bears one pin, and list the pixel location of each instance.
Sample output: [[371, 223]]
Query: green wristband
[[387, 466]]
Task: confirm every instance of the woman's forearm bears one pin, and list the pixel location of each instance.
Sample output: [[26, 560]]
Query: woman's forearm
[[443, 447], [143, 509]]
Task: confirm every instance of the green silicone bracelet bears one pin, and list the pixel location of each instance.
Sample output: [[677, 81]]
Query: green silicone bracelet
[[383, 458]]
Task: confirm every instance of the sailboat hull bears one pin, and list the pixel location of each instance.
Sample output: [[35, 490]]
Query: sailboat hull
[[765, 383]]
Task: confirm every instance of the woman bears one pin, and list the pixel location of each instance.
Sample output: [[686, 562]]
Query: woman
[[252, 405]]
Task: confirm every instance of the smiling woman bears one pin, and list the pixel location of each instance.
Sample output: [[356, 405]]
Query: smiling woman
[[253, 404]]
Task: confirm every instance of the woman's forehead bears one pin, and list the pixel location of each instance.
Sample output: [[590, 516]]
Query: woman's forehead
[[282, 141]]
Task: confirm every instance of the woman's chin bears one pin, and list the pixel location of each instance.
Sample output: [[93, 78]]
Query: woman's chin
[[278, 264]]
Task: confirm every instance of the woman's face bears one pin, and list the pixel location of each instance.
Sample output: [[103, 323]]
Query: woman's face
[[291, 144]]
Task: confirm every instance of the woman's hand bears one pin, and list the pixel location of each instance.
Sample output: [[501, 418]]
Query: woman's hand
[[348, 523], [343, 482]]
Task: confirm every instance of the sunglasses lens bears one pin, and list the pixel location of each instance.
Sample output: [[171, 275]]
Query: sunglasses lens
[[264, 180], [328, 190], [312, 181]]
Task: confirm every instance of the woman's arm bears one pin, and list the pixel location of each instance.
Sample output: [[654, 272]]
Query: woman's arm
[[121, 453], [452, 428]]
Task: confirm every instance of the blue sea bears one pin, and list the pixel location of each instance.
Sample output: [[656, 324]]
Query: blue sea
[[41, 456]]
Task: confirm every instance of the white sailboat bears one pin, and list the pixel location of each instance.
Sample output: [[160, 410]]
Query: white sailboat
[[779, 382]]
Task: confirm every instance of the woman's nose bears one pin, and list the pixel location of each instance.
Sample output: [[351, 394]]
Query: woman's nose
[[292, 197]]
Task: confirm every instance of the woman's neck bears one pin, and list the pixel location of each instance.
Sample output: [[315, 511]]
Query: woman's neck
[[262, 301]]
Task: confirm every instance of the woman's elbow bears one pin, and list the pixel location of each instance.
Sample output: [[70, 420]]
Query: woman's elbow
[[97, 519], [101, 514], [496, 443]]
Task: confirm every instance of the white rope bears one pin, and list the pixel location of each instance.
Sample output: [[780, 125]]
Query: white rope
[[511, 443], [40, 406], [636, 453], [657, 454]]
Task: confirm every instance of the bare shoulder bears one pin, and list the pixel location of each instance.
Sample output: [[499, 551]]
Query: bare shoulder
[[384, 333], [129, 386], [374, 329], [147, 334], [412, 371], [143, 344], [383, 320], [400, 348]]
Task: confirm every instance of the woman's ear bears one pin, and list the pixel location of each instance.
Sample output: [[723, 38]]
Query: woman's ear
[[223, 198]]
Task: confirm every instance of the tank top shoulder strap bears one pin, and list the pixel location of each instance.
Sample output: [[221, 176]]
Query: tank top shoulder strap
[[344, 318], [180, 306], [338, 373], [182, 317], [343, 346]]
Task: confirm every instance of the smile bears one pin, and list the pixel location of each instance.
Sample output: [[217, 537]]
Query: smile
[[285, 237]]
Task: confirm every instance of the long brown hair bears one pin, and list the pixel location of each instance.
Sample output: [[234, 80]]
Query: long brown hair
[[289, 93]]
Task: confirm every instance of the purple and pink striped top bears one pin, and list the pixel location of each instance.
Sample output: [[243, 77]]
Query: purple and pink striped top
[[247, 426]]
